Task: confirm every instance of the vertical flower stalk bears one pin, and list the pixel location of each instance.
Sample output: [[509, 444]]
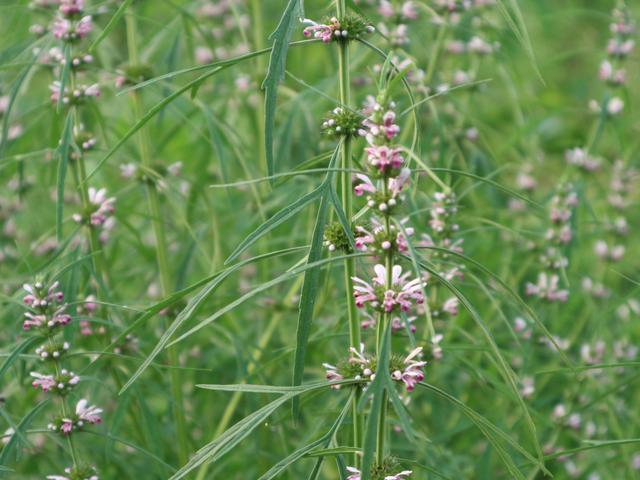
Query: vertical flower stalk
[[70, 26], [46, 317], [345, 181], [135, 71], [391, 293]]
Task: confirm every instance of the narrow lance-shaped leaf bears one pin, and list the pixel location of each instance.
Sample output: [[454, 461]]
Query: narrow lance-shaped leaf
[[210, 285], [311, 281], [21, 347], [277, 66], [63, 158], [112, 23], [377, 388], [276, 220], [505, 370], [261, 288], [215, 449], [323, 441]]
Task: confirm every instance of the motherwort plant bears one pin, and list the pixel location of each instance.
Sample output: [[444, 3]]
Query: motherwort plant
[[45, 319]]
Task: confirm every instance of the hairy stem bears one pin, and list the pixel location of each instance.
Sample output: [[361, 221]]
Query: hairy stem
[[345, 182]]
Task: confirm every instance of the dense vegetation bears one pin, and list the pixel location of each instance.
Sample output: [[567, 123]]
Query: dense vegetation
[[363, 240]]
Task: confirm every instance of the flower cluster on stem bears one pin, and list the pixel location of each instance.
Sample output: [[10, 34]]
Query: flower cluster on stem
[[553, 259], [46, 317]]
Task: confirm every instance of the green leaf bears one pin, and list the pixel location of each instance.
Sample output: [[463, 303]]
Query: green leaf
[[308, 450], [233, 436], [505, 370], [311, 281], [519, 28], [148, 116], [276, 72], [377, 389], [211, 284], [13, 93], [63, 158], [261, 288], [247, 388], [20, 430], [593, 445], [133, 446], [279, 218], [330, 452], [111, 24], [15, 353], [491, 431]]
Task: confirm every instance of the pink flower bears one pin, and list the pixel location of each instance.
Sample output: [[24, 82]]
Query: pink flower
[[332, 374], [400, 294], [86, 413], [383, 157], [409, 10], [398, 324], [44, 382], [436, 349], [67, 426], [322, 32], [451, 306], [71, 7], [386, 9], [103, 208], [61, 28], [547, 288], [365, 185], [355, 473], [34, 321], [412, 373]]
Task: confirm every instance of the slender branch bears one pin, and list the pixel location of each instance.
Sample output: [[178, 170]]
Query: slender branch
[[160, 243]]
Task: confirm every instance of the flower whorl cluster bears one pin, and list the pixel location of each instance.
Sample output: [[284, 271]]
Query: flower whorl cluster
[[342, 122], [361, 366], [558, 236], [400, 295], [76, 473], [395, 17], [391, 293], [444, 207], [382, 471], [612, 69], [619, 199], [582, 159], [350, 27], [45, 316], [622, 29], [99, 212], [70, 25]]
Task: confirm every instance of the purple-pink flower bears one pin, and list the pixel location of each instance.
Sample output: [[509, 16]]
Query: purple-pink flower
[[401, 294]]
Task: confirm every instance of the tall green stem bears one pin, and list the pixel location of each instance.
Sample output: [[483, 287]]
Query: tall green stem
[[160, 243], [66, 413], [383, 324], [347, 204]]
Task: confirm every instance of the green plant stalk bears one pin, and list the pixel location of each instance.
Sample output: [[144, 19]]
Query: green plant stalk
[[65, 413], [347, 205], [160, 243], [262, 344], [383, 324], [79, 169], [258, 41]]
